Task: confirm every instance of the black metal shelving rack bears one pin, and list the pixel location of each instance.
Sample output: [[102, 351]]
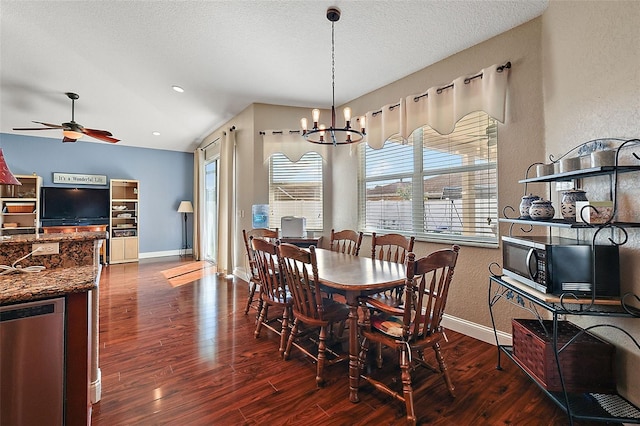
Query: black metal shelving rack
[[578, 406]]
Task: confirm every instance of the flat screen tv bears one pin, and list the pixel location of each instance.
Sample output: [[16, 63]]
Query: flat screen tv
[[74, 206]]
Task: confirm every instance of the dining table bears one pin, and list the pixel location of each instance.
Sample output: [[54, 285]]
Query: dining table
[[353, 277]]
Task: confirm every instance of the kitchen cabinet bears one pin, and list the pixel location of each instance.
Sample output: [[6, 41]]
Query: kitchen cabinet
[[592, 406]]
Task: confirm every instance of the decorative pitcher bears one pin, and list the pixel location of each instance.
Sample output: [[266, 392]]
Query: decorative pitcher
[[568, 203]]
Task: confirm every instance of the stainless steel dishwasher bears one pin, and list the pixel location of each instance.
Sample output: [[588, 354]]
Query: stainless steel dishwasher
[[32, 363]]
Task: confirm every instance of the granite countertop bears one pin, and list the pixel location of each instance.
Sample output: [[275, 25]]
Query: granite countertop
[[30, 286], [44, 238]]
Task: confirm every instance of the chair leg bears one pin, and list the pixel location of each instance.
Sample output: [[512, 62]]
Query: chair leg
[[407, 390], [379, 355], [252, 292], [285, 331], [259, 307], [292, 337], [362, 355], [261, 319], [322, 347], [443, 369]]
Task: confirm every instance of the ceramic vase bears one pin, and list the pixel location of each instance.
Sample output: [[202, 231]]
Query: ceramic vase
[[541, 210], [525, 204], [568, 203]]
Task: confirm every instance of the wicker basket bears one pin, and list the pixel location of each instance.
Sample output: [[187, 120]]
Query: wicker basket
[[20, 207], [587, 363]]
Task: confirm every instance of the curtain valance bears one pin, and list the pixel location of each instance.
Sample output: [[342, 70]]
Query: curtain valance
[[441, 107], [291, 144]]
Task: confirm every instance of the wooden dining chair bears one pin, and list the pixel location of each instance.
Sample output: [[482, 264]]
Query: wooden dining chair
[[346, 241], [413, 328], [273, 291], [300, 270], [254, 279], [391, 247]]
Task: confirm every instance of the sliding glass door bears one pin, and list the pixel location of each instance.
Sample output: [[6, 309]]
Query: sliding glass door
[[211, 186]]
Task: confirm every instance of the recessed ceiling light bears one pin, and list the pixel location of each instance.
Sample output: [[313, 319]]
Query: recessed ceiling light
[[178, 89], [156, 133]]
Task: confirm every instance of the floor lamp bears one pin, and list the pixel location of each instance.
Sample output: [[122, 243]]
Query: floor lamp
[[184, 208]]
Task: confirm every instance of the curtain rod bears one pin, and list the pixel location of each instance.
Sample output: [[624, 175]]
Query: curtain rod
[[231, 129], [278, 132], [210, 143], [441, 89]]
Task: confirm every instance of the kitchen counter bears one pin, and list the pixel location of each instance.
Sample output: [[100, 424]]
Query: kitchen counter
[[72, 270], [75, 249], [29, 286]]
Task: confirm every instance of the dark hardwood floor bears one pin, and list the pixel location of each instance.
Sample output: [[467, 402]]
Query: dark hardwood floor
[[186, 355]]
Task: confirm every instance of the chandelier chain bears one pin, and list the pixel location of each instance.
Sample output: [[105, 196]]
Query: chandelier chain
[[333, 65]]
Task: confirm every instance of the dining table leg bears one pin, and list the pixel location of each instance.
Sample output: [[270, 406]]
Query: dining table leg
[[354, 370]]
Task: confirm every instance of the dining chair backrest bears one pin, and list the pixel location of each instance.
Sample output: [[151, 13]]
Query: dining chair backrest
[[265, 256], [346, 241], [300, 271], [391, 247], [426, 290], [269, 234]]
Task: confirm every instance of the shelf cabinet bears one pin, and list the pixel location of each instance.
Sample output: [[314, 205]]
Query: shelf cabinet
[[123, 221], [594, 405], [20, 206]]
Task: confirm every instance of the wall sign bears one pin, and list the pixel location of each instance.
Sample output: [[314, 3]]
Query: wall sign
[[79, 179]]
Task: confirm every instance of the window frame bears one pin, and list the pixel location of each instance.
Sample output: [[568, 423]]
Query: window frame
[[481, 197], [314, 214]]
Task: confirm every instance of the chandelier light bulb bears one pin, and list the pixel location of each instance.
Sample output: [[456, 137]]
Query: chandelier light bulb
[[303, 124], [347, 116], [362, 124], [315, 114]]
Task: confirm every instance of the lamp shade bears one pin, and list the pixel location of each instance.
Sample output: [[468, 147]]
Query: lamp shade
[[185, 207], [6, 177]]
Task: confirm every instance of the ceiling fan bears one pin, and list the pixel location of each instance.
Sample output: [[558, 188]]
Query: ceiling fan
[[73, 131]]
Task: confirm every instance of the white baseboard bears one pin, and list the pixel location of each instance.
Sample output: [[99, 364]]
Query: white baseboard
[[476, 331], [242, 274], [152, 254], [95, 389]]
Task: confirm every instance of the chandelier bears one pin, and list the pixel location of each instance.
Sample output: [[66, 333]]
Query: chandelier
[[333, 135]]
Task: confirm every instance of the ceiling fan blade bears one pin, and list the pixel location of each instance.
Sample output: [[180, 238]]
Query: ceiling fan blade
[[92, 132], [34, 128], [103, 135], [66, 139], [53, 126]]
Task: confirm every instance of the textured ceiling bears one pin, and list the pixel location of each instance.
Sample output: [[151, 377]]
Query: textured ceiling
[[122, 57]]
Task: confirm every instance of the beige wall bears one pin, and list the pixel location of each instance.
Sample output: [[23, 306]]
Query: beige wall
[[574, 77], [591, 68], [520, 142]]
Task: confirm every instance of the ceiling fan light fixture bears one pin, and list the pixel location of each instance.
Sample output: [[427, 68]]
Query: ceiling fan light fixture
[[71, 134], [336, 135]]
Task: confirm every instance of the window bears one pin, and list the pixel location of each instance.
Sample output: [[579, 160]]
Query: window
[[435, 187], [295, 189]]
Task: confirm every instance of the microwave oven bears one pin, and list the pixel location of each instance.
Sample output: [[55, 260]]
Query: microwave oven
[[558, 265]]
